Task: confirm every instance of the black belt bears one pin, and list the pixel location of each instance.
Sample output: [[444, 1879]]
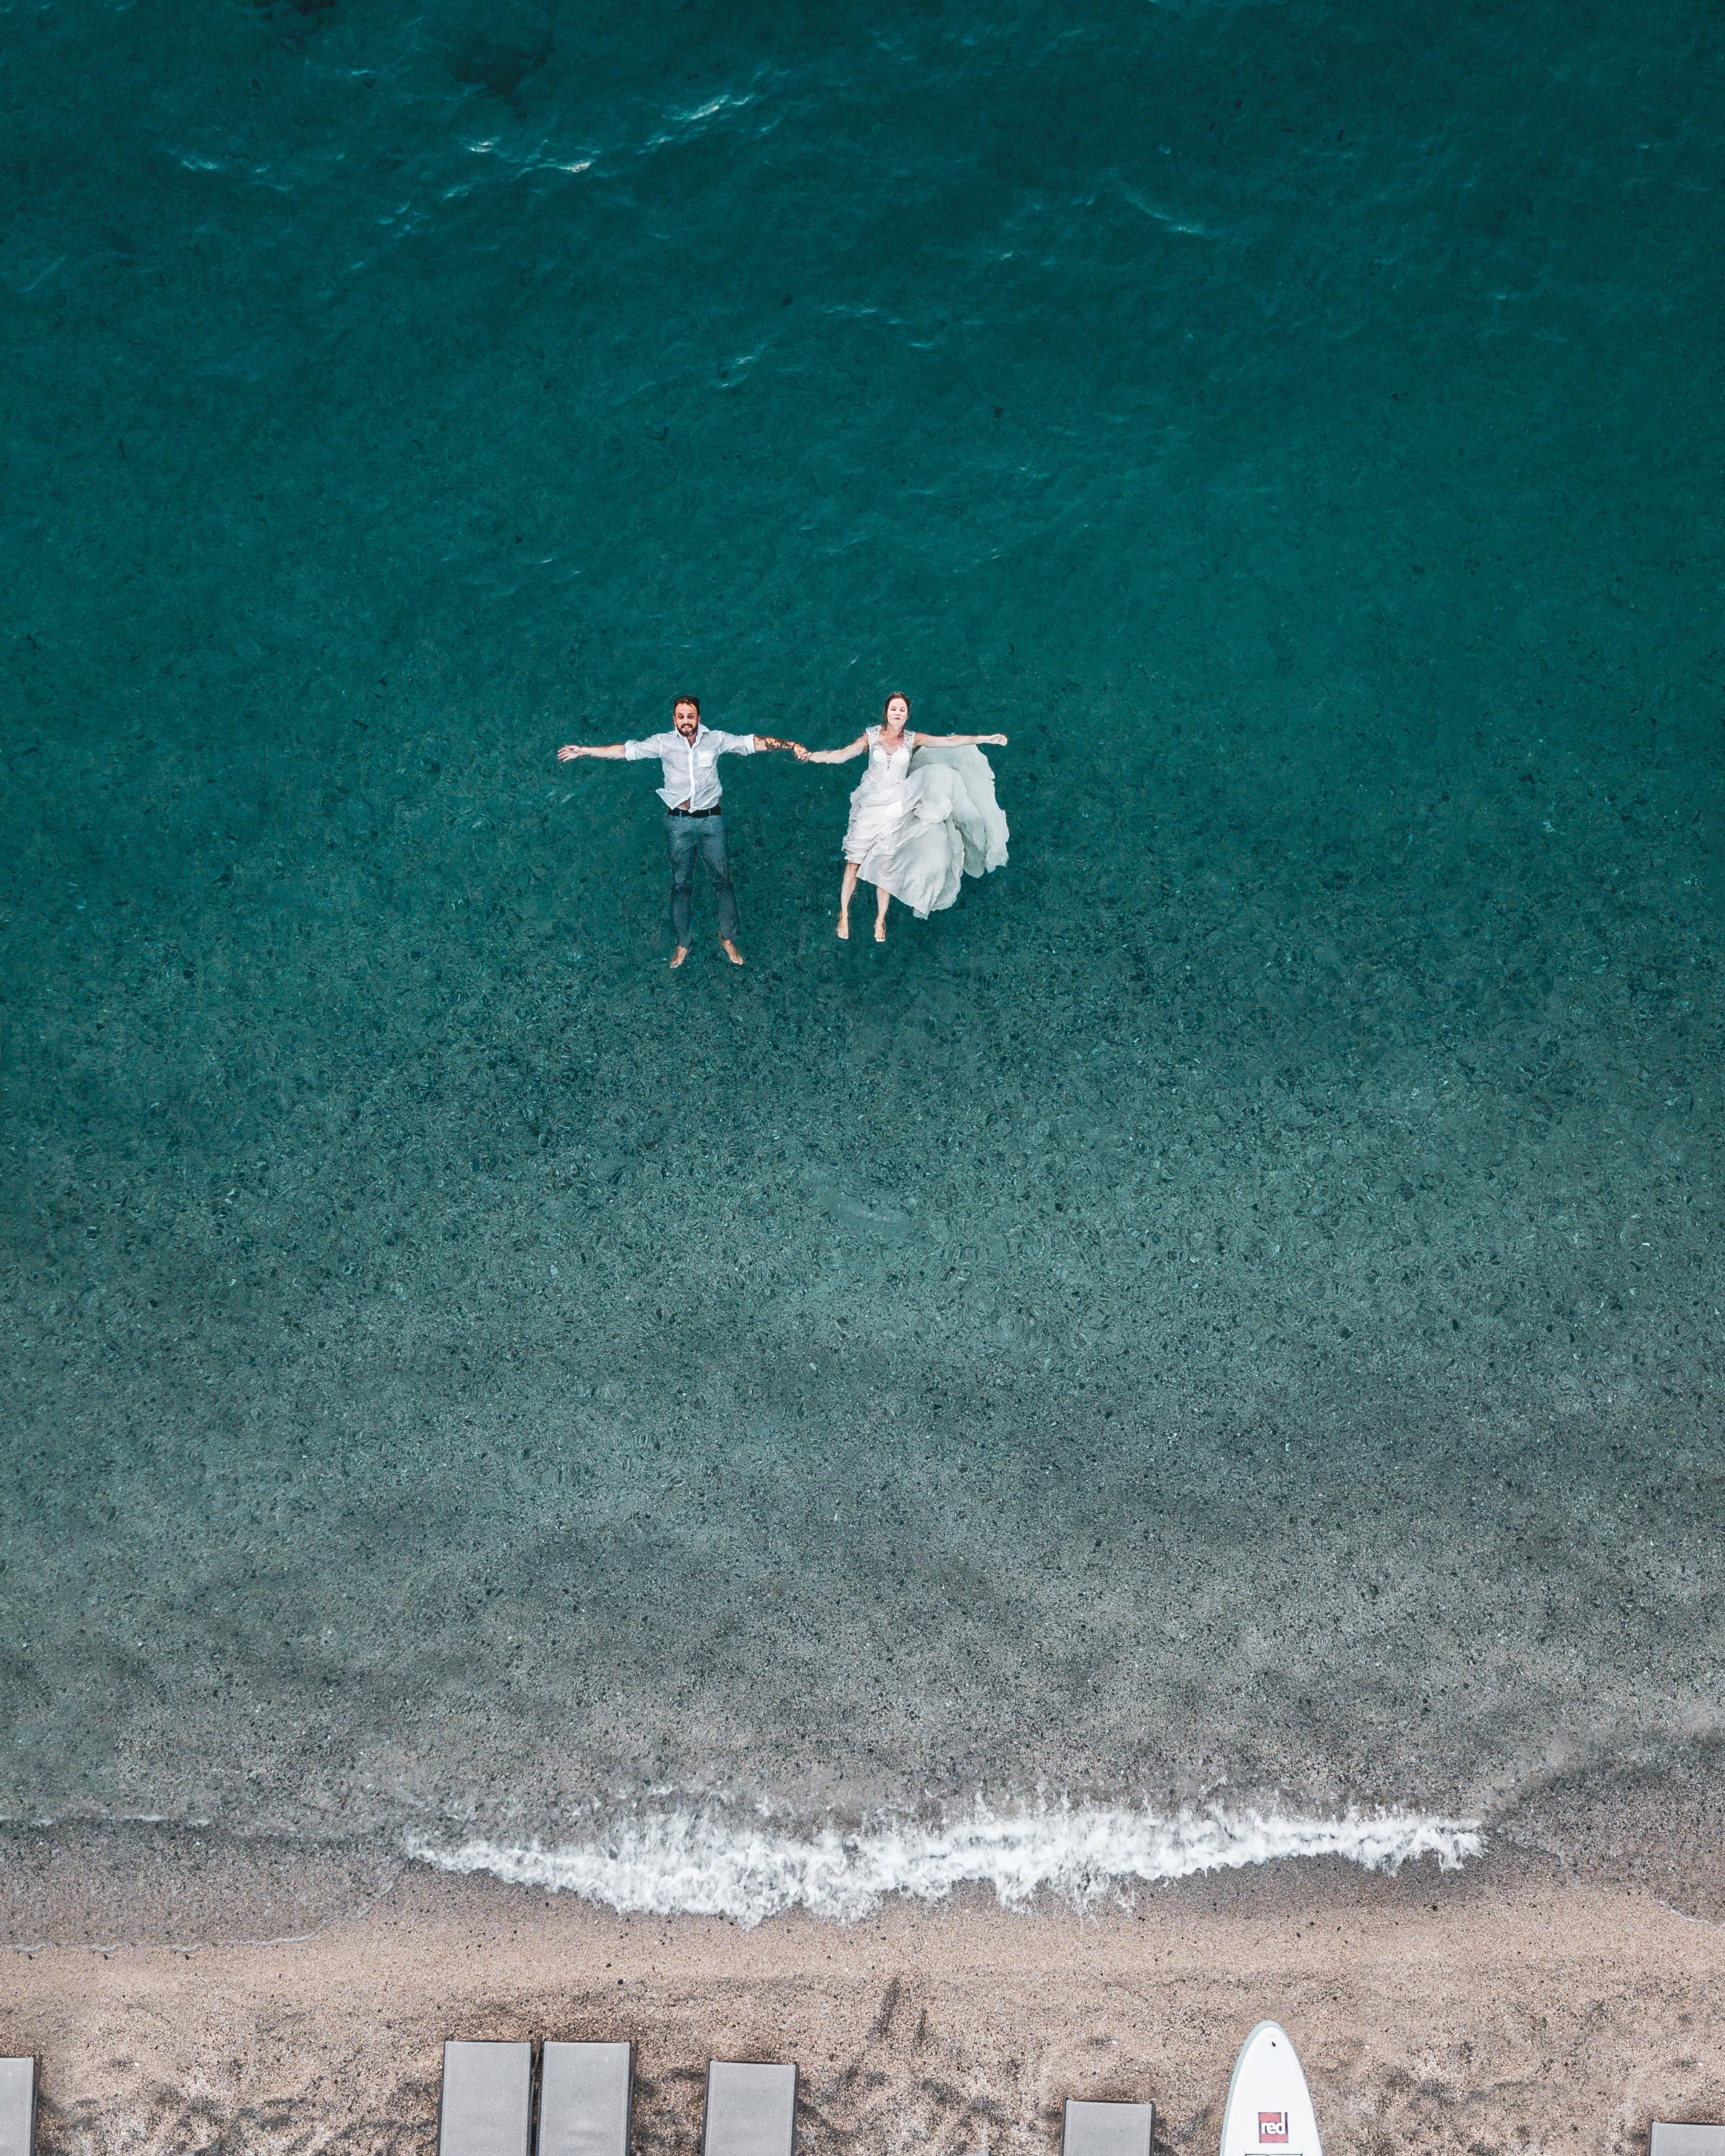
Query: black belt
[[717, 809]]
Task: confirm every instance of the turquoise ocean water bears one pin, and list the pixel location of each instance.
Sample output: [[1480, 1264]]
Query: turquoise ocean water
[[1220, 1331]]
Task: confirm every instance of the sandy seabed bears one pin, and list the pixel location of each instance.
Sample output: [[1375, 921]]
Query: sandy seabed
[[1512, 2009]]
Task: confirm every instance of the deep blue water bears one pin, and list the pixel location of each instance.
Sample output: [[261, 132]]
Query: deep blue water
[[1229, 1312]]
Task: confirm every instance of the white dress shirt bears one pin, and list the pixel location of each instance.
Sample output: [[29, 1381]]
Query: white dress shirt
[[691, 771]]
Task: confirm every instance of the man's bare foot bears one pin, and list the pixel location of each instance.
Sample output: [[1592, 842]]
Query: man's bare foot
[[678, 956], [843, 928], [880, 931], [730, 950]]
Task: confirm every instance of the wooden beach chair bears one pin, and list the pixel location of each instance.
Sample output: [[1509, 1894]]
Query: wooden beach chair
[[584, 2095], [487, 2101], [751, 2111], [1670, 2140], [1108, 2129], [17, 2106]]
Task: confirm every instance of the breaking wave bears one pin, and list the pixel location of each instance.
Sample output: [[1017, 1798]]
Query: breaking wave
[[707, 1863]]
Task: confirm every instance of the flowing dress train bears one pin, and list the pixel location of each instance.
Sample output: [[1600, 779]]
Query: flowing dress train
[[921, 821]]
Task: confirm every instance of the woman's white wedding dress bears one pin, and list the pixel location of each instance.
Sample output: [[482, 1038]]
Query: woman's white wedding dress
[[921, 822]]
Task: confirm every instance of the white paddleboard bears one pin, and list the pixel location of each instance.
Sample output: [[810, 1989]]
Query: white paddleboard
[[1269, 2110]]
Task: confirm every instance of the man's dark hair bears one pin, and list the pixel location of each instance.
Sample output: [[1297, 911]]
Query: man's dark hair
[[681, 701]]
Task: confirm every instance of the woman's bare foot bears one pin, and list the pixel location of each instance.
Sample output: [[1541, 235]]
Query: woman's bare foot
[[880, 931], [678, 956], [843, 928], [730, 950]]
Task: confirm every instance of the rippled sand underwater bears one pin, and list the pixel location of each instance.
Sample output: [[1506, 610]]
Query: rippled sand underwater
[[1227, 1313]]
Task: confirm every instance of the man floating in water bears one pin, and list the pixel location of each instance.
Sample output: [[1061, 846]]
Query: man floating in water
[[694, 810]]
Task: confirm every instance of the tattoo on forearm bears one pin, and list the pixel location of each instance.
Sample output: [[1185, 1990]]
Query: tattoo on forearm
[[772, 740]]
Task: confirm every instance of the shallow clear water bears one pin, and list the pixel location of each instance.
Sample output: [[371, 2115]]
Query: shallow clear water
[[1231, 1312]]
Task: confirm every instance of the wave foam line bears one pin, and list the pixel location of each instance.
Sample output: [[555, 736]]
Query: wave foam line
[[704, 1864]]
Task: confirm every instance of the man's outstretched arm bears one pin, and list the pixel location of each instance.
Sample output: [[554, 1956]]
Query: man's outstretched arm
[[618, 750], [772, 740]]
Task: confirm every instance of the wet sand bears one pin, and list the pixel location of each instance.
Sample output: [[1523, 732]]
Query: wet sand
[[1511, 2008]]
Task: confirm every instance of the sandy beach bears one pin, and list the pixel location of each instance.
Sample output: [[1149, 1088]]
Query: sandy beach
[[1509, 2009]]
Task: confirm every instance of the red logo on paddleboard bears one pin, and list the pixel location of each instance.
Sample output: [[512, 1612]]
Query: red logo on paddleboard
[[1272, 2128]]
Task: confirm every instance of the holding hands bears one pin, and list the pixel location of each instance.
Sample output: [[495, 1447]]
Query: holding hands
[[571, 750], [912, 833]]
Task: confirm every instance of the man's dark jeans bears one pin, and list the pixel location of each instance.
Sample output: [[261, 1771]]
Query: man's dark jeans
[[687, 836]]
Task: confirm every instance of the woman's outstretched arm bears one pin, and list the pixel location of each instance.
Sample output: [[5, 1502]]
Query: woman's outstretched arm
[[858, 748], [958, 741]]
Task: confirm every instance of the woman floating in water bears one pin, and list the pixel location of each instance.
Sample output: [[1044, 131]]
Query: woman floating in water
[[924, 817]]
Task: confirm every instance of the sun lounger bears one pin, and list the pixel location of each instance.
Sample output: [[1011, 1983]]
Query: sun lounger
[[17, 2106], [584, 2092], [488, 2100], [1108, 2129], [751, 2111], [1688, 2140]]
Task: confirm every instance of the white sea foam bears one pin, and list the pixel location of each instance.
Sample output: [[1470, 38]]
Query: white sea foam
[[710, 1863]]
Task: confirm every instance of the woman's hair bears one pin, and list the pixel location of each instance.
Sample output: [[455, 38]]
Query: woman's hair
[[898, 696]]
